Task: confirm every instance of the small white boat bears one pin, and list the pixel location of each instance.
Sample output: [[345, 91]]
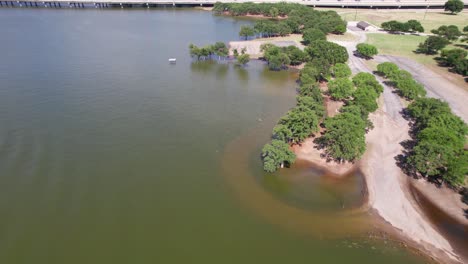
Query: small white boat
[[172, 60]]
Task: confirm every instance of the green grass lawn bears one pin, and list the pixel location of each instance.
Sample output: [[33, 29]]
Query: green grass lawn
[[404, 45], [400, 45], [433, 18]]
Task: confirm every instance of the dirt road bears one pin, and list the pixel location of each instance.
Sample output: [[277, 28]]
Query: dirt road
[[436, 85]]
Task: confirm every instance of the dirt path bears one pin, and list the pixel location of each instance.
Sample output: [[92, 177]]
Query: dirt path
[[387, 185]]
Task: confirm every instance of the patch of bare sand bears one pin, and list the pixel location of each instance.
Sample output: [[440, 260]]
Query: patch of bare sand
[[386, 185], [308, 151], [444, 198]]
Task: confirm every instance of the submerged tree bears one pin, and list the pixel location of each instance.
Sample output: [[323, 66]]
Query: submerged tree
[[276, 154], [246, 32]]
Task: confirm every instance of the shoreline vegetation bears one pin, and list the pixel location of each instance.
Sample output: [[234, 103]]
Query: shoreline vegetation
[[433, 148]]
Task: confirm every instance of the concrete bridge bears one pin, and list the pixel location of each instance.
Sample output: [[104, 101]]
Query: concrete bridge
[[159, 3]]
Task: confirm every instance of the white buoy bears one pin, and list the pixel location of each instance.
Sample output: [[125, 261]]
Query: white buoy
[[172, 60]]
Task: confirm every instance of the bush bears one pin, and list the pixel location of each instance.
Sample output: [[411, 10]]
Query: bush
[[367, 50]]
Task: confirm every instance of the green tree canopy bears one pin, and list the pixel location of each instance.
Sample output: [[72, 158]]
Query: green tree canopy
[[422, 109], [312, 34], [452, 56], [367, 50], [450, 33], [365, 97], [454, 6], [341, 70], [344, 138], [311, 90], [415, 26], [246, 32], [388, 69], [302, 122], [395, 26], [340, 88], [365, 79], [329, 51], [310, 74], [432, 45], [243, 59], [313, 104], [296, 55], [276, 154]]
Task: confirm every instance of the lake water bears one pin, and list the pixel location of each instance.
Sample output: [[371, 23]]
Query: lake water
[[108, 154]]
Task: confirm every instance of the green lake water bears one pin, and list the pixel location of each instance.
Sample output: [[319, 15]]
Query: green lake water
[[109, 154]]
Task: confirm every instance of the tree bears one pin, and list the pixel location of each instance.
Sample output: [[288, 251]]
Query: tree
[[422, 109], [409, 88], [450, 33], [415, 26], [457, 169], [341, 70], [340, 88], [276, 154], [344, 138], [454, 6], [432, 45], [243, 59], [309, 74], [282, 132], [312, 104], [453, 56], [429, 158], [246, 32], [329, 51], [220, 49], [395, 26], [296, 55], [367, 50], [312, 34], [311, 90], [365, 97], [274, 12], [388, 69], [461, 67], [302, 122], [365, 79]]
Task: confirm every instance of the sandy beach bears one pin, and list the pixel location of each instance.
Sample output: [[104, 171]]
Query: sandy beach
[[388, 186]]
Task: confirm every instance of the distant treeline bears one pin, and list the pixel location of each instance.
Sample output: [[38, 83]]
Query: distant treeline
[[296, 17], [437, 150]]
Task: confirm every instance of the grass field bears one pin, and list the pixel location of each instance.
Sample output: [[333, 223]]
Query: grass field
[[433, 18], [400, 45], [404, 45]]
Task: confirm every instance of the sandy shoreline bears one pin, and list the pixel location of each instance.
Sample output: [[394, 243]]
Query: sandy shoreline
[[388, 187]]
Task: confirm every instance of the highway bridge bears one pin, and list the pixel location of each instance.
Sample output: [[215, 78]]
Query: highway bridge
[[183, 3]]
